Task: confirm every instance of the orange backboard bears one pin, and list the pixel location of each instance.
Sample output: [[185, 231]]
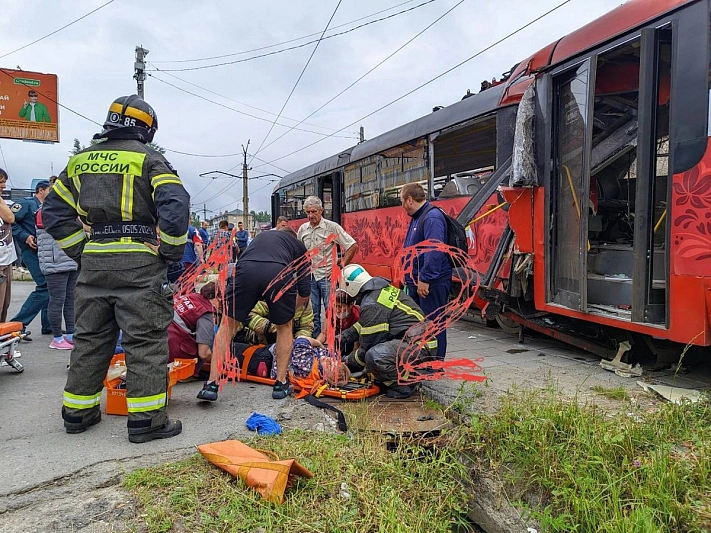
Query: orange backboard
[[28, 106]]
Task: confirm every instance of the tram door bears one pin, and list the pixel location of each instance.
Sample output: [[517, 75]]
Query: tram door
[[570, 183], [329, 191]]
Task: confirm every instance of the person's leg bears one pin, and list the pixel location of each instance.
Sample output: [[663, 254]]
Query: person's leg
[[284, 344], [241, 294], [5, 290], [143, 312], [316, 304], [381, 361], [93, 348], [57, 288], [37, 301], [325, 291], [433, 307], [69, 303]]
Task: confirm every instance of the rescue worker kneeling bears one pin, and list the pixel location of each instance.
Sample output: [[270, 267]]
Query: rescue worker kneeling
[[387, 315], [192, 331], [124, 190]]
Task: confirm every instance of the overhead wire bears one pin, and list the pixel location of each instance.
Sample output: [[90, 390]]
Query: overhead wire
[[242, 112], [369, 71], [235, 101], [295, 47], [293, 89], [508, 36], [57, 30], [285, 42]]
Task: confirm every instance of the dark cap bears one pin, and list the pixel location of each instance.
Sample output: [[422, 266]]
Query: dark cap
[[44, 184]]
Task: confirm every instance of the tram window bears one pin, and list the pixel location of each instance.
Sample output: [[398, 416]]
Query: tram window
[[292, 199], [361, 184], [464, 158]]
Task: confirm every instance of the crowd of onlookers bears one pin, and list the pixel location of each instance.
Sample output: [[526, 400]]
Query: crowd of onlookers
[[292, 331]]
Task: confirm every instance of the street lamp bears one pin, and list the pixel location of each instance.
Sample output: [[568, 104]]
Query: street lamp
[[244, 177]]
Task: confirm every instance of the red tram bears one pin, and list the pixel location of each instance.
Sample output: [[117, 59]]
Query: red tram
[[583, 179]]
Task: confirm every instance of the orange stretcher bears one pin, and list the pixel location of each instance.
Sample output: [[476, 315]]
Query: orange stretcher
[[354, 390]]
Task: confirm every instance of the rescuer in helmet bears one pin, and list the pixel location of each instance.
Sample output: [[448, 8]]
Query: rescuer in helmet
[[138, 212], [387, 316]]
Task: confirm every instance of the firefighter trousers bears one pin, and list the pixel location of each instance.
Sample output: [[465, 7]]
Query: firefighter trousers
[[133, 301], [382, 360]]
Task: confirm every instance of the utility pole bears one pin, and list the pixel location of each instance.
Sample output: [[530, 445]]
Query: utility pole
[[361, 137], [245, 187], [204, 212], [140, 67]]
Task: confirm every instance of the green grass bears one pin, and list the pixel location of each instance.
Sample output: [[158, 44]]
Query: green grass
[[617, 393], [412, 489], [571, 467], [577, 469]]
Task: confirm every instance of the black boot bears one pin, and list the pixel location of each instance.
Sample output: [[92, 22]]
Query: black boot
[[75, 424], [167, 430], [400, 392]]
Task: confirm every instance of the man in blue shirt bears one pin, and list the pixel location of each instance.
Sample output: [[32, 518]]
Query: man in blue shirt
[[242, 237], [204, 235], [431, 277], [24, 232], [193, 254]]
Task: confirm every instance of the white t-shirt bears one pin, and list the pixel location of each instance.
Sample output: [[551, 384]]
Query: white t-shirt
[[8, 254]]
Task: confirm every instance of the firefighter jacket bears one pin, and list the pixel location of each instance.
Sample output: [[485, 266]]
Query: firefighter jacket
[[187, 310], [386, 313], [124, 190], [261, 331]]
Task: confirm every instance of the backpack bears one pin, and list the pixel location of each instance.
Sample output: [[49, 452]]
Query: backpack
[[456, 235]]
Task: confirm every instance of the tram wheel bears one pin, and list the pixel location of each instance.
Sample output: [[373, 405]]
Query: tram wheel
[[508, 326]]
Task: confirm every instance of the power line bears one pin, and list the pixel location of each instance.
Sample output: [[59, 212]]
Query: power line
[[57, 30], [431, 80], [298, 80], [243, 112], [253, 192], [224, 63], [371, 70], [286, 42], [235, 101]]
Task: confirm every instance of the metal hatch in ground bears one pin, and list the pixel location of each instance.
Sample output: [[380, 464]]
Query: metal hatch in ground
[[411, 417]]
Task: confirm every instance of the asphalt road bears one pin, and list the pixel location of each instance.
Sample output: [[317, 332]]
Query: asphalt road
[[36, 450], [38, 454]]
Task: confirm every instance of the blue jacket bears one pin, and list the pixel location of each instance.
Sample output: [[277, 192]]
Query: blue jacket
[[242, 238], [205, 237], [24, 225], [430, 267], [189, 255]]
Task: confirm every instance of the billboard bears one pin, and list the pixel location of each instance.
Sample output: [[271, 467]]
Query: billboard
[[28, 106]]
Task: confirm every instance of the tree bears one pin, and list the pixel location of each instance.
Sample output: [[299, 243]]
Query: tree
[[261, 216], [195, 219]]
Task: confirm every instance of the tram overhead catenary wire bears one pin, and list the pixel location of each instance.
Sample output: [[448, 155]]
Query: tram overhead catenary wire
[[370, 71], [57, 30], [201, 67], [451, 69], [301, 75]]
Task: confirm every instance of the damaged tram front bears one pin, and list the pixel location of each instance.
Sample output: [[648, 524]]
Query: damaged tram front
[[583, 179]]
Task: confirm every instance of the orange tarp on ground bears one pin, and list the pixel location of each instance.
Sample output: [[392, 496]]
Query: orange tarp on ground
[[269, 477]]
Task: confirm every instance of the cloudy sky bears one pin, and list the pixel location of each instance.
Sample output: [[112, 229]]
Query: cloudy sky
[[94, 61]]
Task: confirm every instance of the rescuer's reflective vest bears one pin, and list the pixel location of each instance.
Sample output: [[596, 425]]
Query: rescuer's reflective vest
[[129, 194]]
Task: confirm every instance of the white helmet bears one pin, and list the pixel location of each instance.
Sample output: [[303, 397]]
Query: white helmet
[[353, 278]]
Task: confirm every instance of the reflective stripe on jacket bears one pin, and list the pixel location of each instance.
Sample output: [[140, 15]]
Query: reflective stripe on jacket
[[112, 181], [386, 313]]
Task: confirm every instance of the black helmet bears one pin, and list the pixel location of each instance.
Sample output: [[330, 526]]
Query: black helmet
[[133, 117]]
